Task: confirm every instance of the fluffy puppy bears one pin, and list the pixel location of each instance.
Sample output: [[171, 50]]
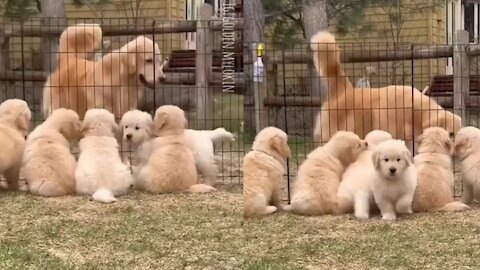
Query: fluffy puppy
[[354, 192], [49, 166], [435, 179], [14, 124], [165, 163], [393, 184], [201, 142], [263, 169], [315, 190], [467, 150], [137, 128], [100, 171]]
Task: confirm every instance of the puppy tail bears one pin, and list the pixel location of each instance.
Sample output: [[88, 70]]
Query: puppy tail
[[454, 206], [78, 40], [220, 135], [201, 188], [104, 195], [326, 58]]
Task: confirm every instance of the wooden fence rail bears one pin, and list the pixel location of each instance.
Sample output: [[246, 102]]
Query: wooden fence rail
[[15, 30], [416, 52]]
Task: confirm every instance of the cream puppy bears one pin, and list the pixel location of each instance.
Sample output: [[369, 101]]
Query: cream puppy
[[354, 192], [263, 169], [315, 190], [467, 150], [395, 179], [14, 124], [165, 163], [48, 164], [435, 179], [137, 128], [100, 171], [202, 142]]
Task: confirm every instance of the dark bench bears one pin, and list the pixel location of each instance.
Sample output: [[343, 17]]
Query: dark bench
[[180, 60], [441, 89]]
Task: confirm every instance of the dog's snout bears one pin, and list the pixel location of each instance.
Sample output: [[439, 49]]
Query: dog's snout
[[129, 136], [392, 170], [162, 78]]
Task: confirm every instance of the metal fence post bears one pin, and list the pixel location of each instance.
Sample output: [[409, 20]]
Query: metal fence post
[[461, 76], [203, 68]]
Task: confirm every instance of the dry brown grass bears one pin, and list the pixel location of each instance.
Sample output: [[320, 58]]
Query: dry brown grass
[[185, 231]]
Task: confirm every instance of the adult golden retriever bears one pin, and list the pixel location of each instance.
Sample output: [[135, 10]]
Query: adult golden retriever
[[400, 110], [116, 82]]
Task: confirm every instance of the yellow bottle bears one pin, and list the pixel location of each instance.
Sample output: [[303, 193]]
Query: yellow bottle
[[258, 65]]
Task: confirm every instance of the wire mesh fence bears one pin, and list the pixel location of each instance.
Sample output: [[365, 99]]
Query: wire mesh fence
[[294, 98], [119, 71], [290, 93]]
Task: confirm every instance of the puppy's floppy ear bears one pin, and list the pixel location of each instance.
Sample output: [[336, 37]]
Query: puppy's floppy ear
[[376, 159], [408, 157], [420, 139], [85, 127], [448, 145], [159, 121], [462, 146], [148, 124], [280, 146], [128, 59], [22, 121], [116, 130]]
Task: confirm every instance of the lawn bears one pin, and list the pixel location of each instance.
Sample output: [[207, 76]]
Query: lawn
[[183, 231]]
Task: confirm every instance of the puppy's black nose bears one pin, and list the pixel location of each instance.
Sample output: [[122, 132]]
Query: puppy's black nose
[[129, 136], [393, 170]]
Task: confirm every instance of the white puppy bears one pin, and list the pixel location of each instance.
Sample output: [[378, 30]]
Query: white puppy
[[395, 179], [100, 171], [201, 142], [137, 128], [354, 192]]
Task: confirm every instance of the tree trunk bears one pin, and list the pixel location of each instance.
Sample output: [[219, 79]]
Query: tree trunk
[[315, 19], [53, 14], [254, 18]]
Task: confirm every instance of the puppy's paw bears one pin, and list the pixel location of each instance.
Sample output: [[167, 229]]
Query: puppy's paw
[[3, 184], [270, 210], [104, 196], [201, 188], [362, 216], [389, 216], [286, 207], [24, 188], [405, 209]]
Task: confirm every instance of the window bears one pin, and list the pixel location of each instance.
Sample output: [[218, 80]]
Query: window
[[470, 20]]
